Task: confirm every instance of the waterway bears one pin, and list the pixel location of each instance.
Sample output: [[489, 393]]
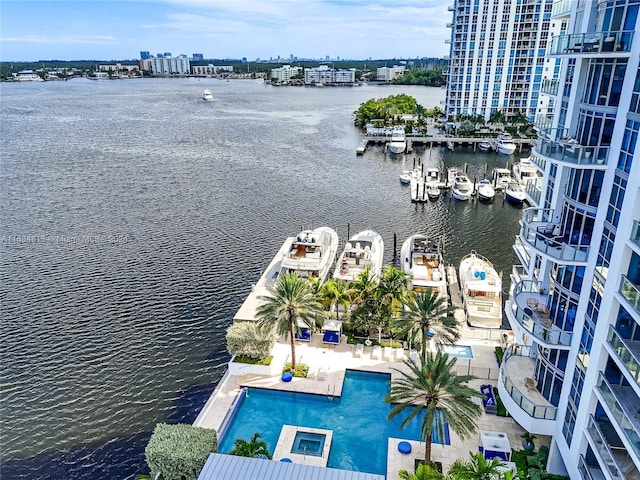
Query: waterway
[[134, 217]]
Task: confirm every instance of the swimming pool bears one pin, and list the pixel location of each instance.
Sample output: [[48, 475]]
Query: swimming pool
[[358, 420], [462, 351]]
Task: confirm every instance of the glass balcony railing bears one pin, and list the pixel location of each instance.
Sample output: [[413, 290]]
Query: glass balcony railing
[[550, 86], [602, 446], [539, 161], [561, 7], [617, 411], [556, 144], [631, 292], [591, 42], [540, 232], [625, 353], [518, 273], [522, 250], [534, 410], [533, 190], [585, 470], [635, 233]]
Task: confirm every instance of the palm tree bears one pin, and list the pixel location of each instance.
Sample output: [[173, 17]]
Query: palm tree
[[254, 448], [497, 118], [363, 286], [479, 468], [392, 289], [430, 387], [423, 472], [428, 315], [289, 300], [335, 293]]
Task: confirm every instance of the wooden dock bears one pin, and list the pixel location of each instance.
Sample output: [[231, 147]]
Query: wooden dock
[[454, 295], [438, 140]]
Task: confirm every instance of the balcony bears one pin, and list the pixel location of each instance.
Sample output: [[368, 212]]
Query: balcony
[[590, 43], [522, 400], [627, 352], [533, 189], [528, 308], [589, 472], [550, 86], [602, 445], [523, 251], [561, 8], [556, 144], [635, 233], [622, 403], [539, 162], [630, 292], [541, 233]]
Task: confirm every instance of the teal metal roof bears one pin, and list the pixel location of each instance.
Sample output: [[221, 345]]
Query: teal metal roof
[[230, 467]]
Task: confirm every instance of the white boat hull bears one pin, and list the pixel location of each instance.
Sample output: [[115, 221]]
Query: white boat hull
[[363, 250], [458, 195], [506, 149], [312, 253], [481, 291], [422, 261], [397, 147]]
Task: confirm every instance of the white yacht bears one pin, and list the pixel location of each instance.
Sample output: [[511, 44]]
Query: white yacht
[[207, 95], [364, 249], [398, 141], [501, 177], [481, 290], [486, 192], [525, 171], [407, 175], [462, 187], [433, 192], [505, 144], [515, 193], [433, 177], [484, 146], [312, 253], [422, 260]]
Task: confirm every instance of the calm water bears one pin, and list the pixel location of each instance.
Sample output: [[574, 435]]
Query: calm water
[[357, 419], [134, 218]]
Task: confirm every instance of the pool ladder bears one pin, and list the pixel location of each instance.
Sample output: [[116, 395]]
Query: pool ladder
[[331, 392]]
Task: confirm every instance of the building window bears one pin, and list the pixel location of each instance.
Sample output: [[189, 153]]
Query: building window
[[629, 141], [616, 200]]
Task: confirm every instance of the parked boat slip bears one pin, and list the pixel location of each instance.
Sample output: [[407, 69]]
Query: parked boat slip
[[363, 250], [312, 253], [422, 261], [481, 291]]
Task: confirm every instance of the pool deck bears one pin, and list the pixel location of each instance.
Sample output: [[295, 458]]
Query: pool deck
[[327, 367]]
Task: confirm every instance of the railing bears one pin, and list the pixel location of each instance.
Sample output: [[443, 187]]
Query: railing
[[544, 412], [523, 250], [618, 413], [591, 42], [635, 233], [561, 7], [518, 272], [534, 223], [602, 446], [630, 291], [550, 86], [624, 353], [558, 145], [539, 161], [533, 191], [584, 469]]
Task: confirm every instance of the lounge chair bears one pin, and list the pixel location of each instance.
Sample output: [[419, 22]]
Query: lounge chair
[[359, 350], [387, 353], [322, 373], [399, 354], [377, 352]]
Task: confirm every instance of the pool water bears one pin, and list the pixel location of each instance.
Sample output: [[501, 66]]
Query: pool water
[[358, 420], [462, 351], [308, 444]]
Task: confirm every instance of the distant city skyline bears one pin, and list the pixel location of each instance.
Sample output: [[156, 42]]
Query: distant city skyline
[[119, 30]]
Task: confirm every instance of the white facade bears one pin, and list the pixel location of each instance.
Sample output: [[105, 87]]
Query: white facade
[[389, 73], [323, 75], [28, 76], [496, 58], [170, 65], [284, 73], [203, 70], [575, 299]]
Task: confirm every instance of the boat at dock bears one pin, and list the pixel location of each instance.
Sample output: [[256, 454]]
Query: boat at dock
[[501, 177], [398, 142], [207, 95], [505, 144], [422, 261], [524, 171], [433, 192], [461, 186], [515, 193], [360, 149], [486, 192], [485, 146], [481, 291], [363, 250], [312, 253]]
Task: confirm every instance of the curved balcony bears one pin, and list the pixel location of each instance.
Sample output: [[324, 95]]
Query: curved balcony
[[528, 309], [519, 395], [630, 292], [561, 8], [550, 86], [614, 42], [556, 144], [541, 233], [627, 351]]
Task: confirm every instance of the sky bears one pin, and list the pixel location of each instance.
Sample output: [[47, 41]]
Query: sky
[[119, 30]]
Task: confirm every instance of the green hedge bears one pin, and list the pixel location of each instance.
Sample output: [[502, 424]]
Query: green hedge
[[179, 451], [253, 361], [249, 340], [301, 370]]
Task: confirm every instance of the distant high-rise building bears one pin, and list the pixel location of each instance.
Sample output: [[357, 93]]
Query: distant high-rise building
[[198, 57], [159, 55], [167, 54], [144, 55], [573, 369], [496, 57]]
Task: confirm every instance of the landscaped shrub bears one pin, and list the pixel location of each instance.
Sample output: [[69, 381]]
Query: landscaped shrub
[[300, 372], [247, 339], [179, 451], [501, 411], [499, 355], [253, 361], [391, 343]]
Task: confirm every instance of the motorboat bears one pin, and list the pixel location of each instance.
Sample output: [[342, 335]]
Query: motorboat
[[312, 253], [418, 189], [433, 177], [481, 290], [407, 175], [501, 177], [207, 95], [363, 250], [398, 142], [505, 144], [486, 192], [524, 171], [433, 192], [485, 146], [462, 187], [423, 263], [515, 193]]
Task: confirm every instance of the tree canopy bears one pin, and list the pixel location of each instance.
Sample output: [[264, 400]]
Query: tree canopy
[[384, 108]]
